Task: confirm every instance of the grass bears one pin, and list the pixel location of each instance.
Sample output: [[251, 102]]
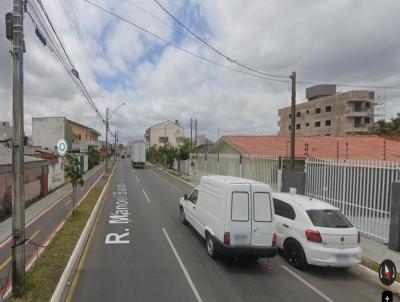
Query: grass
[[42, 280], [374, 266]]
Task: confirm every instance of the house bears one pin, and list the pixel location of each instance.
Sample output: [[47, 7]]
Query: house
[[330, 113], [167, 133], [355, 147], [36, 179], [6, 131], [55, 162]]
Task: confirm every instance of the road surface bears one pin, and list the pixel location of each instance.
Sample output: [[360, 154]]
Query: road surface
[[151, 256]]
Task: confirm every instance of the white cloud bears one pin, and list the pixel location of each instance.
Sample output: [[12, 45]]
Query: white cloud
[[324, 41]]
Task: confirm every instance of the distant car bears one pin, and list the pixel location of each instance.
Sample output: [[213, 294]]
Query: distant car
[[314, 232], [234, 216], [123, 156]]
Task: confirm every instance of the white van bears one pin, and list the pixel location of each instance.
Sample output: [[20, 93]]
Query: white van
[[234, 216]]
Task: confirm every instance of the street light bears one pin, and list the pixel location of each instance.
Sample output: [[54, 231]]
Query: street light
[[107, 128]]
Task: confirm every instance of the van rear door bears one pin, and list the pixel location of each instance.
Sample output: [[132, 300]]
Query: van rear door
[[239, 225], [263, 226]]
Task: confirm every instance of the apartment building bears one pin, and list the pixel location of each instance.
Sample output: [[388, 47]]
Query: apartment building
[[331, 113], [165, 133]]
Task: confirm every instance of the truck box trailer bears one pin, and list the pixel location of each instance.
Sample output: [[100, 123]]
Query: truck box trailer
[[138, 156]]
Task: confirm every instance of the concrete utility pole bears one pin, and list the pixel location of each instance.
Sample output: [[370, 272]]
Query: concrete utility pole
[[191, 132], [115, 142], [293, 121], [106, 139], [195, 129], [18, 196]]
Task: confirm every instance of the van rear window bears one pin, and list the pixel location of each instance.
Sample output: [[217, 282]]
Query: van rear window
[[240, 206], [262, 207]]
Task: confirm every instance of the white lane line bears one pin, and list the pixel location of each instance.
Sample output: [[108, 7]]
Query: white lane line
[[306, 283], [195, 292], [168, 183], [137, 179], [147, 197]]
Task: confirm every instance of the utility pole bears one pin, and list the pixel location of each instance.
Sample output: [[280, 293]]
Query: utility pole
[[195, 129], [115, 143], [218, 134], [191, 133], [293, 121], [165, 148], [106, 139], [18, 196]]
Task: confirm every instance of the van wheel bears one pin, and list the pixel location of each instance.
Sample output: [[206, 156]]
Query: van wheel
[[294, 254], [211, 250], [182, 216]]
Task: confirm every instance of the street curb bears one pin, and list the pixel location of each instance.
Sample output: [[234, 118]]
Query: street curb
[[62, 288], [372, 276], [177, 177]]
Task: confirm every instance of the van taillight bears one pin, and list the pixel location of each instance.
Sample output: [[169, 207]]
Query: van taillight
[[359, 238], [227, 238], [313, 236], [274, 239]]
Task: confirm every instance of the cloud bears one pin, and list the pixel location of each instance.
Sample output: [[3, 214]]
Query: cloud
[[324, 41]]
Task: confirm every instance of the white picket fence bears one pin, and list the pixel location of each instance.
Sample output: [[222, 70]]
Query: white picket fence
[[264, 169], [361, 189]]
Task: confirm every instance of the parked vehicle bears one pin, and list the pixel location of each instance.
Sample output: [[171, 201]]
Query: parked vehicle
[[138, 156], [234, 216], [314, 232]]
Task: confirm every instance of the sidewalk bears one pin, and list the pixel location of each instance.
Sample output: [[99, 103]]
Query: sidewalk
[[377, 251], [39, 206]]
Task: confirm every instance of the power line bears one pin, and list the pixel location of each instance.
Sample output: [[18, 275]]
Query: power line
[[178, 47], [216, 50]]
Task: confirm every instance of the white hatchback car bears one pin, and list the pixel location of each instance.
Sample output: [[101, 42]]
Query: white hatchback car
[[314, 232]]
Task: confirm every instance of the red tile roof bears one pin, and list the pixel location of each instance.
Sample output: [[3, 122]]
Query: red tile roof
[[360, 147]]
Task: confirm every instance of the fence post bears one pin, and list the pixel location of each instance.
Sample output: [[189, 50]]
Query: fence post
[[240, 165], [394, 231], [279, 180]]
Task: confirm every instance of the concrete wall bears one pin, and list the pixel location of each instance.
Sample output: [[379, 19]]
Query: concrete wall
[[56, 175], [341, 117], [36, 184], [46, 132]]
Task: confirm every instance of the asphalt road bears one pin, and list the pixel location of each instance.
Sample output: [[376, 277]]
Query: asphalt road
[[156, 258], [41, 230]]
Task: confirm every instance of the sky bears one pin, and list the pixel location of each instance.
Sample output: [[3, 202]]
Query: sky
[[324, 41]]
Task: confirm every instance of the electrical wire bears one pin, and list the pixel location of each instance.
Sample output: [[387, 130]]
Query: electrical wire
[[178, 47], [216, 50]]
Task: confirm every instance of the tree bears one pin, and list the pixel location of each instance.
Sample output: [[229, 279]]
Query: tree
[[388, 128], [73, 172], [185, 150], [94, 157]]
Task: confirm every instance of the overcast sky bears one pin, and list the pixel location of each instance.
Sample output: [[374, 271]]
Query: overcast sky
[[337, 41]]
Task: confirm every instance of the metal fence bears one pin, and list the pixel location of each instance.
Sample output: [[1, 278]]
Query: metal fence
[[361, 189], [264, 169]]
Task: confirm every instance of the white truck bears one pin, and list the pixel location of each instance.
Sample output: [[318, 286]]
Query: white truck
[[138, 156]]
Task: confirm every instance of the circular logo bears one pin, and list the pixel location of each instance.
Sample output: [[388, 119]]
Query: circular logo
[[387, 272], [62, 147]]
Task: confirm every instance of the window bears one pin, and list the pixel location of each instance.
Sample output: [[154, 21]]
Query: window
[[357, 106], [284, 209], [308, 111], [193, 197], [328, 108], [290, 115], [367, 120], [298, 126], [163, 139], [328, 219], [290, 127], [298, 114], [327, 122], [317, 124], [240, 206], [357, 122], [79, 137], [307, 124], [318, 110], [367, 105], [262, 207]]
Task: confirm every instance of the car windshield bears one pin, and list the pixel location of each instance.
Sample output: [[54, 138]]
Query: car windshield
[[328, 219]]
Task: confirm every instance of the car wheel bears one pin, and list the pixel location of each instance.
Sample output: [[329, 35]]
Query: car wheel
[[294, 254], [182, 216], [211, 249]]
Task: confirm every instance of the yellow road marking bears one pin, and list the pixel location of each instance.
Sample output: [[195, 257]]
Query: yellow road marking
[[9, 258]]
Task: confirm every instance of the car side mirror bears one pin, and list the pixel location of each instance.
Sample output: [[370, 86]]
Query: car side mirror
[[185, 197]]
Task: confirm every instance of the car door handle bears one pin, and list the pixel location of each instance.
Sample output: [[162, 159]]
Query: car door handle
[[194, 208], [285, 225]]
